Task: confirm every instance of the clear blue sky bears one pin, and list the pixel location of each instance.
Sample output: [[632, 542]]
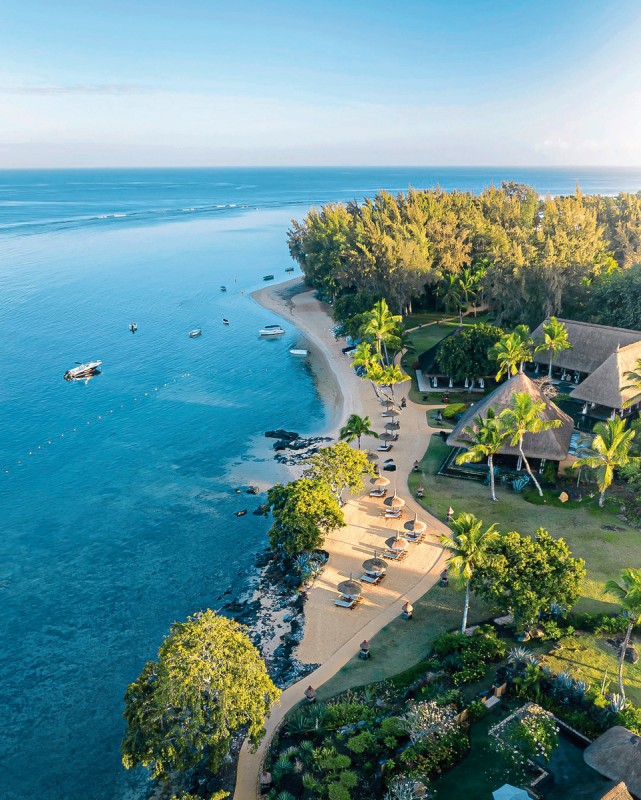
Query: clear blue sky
[[364, 82]]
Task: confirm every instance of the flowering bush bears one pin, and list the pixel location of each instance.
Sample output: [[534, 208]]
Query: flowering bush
[[531, 732]]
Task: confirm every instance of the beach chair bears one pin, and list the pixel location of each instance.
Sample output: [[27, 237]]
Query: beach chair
[[372, 579], [378, 492], [345, 602], [393, 514], [384, 447]]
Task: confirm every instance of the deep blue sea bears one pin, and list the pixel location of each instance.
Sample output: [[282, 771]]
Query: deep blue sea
[[118, 495]]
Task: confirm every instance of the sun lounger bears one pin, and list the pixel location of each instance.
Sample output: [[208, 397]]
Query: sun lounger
[[395, 555], [345, 602], [378, 492], [417, 539], [384, 447], [393, 514], [373, 579]]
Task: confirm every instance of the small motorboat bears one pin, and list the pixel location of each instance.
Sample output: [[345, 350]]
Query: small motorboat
[[289, 269], [271, 330], [223, 288], [253, 490], [225, 321], [241, 513], [133, 327], [195, 333], [83, 371], [268, 277], [295, 352]]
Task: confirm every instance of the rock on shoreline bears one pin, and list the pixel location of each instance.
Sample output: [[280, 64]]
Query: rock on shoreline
[[290, 441]]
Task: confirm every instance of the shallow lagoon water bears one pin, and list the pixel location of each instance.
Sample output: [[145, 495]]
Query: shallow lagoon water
[[117, 495]]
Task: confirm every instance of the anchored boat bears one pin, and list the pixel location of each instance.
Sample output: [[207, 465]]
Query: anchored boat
[[268, 277], [225, 321], [83, 371], [296, 352], [195, 333], [271, 330]]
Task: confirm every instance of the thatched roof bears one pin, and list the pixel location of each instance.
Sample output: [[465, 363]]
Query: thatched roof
[[618, 792], [553, 444], [591, 345], [617, 755], [604, 385]]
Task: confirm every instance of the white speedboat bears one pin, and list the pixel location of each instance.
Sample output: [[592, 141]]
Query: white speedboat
[[271, 330], [195, 333], [295, 352], [83, 371]]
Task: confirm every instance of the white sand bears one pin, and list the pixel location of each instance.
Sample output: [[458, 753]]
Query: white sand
[[332, 634]]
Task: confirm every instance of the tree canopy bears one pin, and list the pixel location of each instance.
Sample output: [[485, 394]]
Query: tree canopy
[[465, 353], [207, 683], [304, 511], [339, 467], [527, 575]]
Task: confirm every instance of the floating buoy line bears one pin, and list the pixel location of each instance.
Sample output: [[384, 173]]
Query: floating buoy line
[[80, 426]]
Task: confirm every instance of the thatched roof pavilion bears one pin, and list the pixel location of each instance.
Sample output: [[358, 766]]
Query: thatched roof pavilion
[[605, 385], [552, 445], [591, 344], [617, 755], [618, 792]]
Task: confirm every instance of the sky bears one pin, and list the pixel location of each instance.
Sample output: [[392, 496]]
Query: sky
[[356, 82]]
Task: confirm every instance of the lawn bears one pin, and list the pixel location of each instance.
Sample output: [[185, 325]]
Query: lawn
[[589, 657], [597, 535], [403, 644]]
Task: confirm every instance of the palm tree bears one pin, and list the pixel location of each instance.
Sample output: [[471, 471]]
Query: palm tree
[[469, 547], [401, 340], [627, 590], [555, 340], [487, 436], [511, 352], [381, 325], [450, 289], [390, 376], [635, 377], [610, 449], [355, 428], [468, 281], [526, 416]]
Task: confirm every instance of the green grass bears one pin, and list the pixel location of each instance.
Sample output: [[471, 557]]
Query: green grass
[[589, 657], [403, 644], [584, 526]]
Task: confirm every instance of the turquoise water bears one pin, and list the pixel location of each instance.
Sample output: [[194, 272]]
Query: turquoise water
[[117, 495]]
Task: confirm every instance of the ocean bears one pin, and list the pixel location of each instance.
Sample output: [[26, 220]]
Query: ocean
[[118, 494]]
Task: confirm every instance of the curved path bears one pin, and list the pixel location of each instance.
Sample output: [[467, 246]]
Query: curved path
[[332, 635]]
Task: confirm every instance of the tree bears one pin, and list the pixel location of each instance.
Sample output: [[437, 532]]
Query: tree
[[528, 575], [355, 428], [390, 376], [208, 683], [470, 549], [484, 439], [468, 282], [634, 376], [526, 416], [610, 450], [464, 354], [381, 325], [555, 340], [511, 352], [340, 467], [304, 511], [450, 290], [627, 590]]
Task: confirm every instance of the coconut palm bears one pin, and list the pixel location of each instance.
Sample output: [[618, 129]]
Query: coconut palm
[[627, 590], [555, 340], [511, 351], [634, 376], [451, 292], [525, 415], [401, 341], [609, 450], [381, 325], [468, 281], [469, 547], [390, 376], [484, 439], [355, 428]]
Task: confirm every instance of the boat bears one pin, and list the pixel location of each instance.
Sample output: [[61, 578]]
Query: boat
[[253, 490], [225, 321], [271, 330], [241, 513], [223, 288], [195, 333], [296, 352], [133, 327], [268, 277], [289, 269], [83, 371]]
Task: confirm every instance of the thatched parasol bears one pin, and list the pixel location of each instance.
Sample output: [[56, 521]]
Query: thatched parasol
[[394, 502], [387, 437], [393, 426], [381, 481], [350, 588], [373, 456], [375, 564], [415, 525], [396, 543]]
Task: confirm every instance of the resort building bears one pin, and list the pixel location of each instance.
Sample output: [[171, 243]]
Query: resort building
[[616, 754], [594, 367], [551, 445]]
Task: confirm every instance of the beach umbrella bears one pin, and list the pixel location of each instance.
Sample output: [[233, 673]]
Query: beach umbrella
[[388, 402], [415, 525], [509, 792], [375, 564], [350, 588], [387, 437], [396, 543], [373, 456], [393, 426], [380, 481], [394, 502]]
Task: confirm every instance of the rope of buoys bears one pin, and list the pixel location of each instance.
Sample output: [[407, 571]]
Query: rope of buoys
[[6, 470]]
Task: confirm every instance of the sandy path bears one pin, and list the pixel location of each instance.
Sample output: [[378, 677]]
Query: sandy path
[[332, 634]]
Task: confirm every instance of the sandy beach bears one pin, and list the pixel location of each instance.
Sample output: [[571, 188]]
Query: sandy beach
[[332, 634]]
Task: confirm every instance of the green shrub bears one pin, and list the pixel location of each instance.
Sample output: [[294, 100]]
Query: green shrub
[[476, 710], [363, 742], [468, 674], [345, 713], [601, 623], [451, 410], [630, 718], [336, 791], [551, 630]]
